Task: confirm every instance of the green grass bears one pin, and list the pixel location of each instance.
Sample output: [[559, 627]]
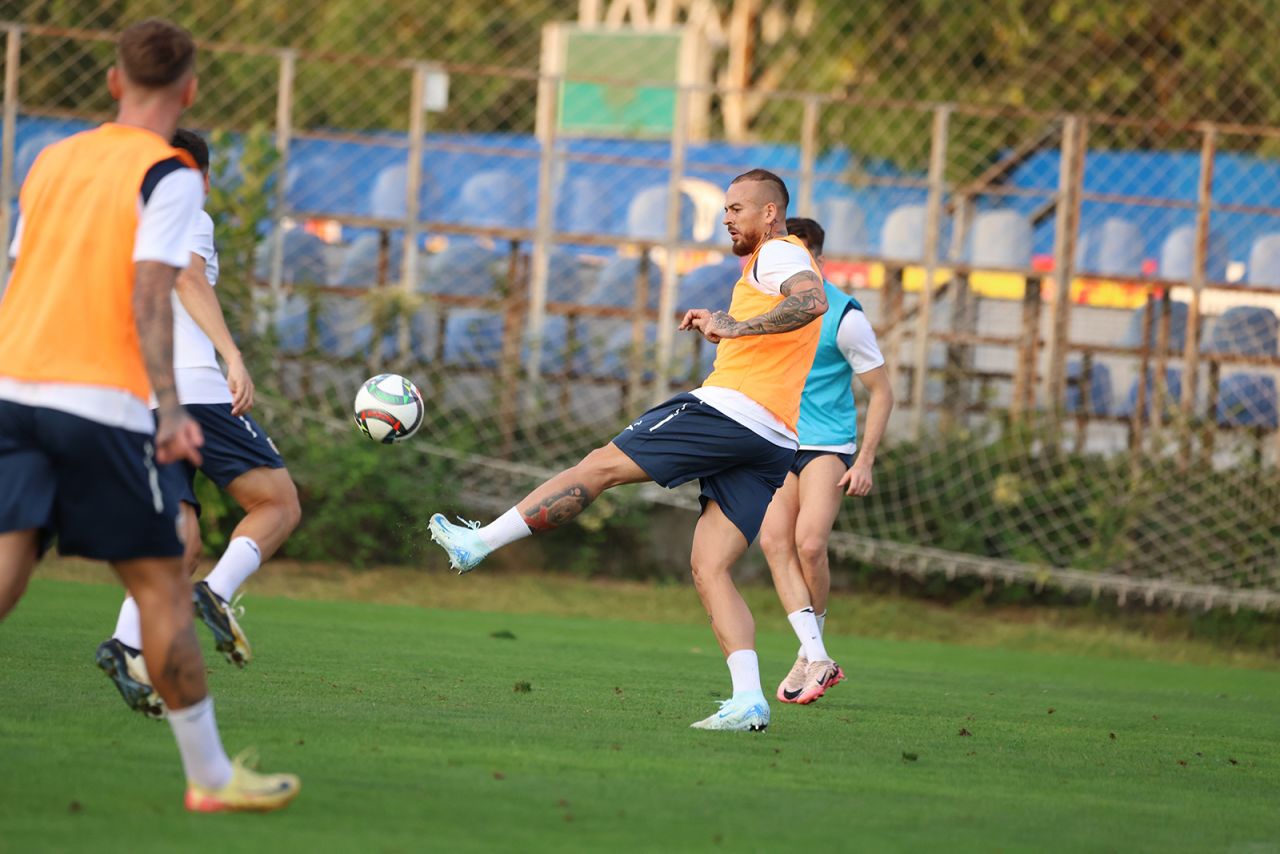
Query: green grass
[[405, 726]]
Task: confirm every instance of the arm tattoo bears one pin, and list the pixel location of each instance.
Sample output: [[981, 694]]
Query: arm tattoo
[[795, 310], [153, 313], [557, 508]]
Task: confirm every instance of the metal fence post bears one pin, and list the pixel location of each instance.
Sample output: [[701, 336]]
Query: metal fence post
[[12, 62], [1199, 273], [808, 155], [413, 176], [1065, 224], [544, 229], [670, 273], [284, 137], [932, 235]]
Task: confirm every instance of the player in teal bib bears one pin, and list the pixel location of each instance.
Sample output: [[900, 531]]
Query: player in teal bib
[[795, 542]]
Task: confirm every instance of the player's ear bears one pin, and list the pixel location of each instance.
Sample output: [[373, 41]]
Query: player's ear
[[115, 85], [189, 91]]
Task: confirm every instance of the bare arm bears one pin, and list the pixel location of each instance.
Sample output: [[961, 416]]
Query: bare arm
[[858, 480], [200, 301], [177, 436], [805, 300]]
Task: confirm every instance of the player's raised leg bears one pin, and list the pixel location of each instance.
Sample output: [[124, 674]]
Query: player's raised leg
[[717, 545], [554, 503]]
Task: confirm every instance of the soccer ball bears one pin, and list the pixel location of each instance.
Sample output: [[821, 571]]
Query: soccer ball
[[388, 408]]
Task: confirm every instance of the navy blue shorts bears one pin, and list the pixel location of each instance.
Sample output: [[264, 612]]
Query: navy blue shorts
[[233, 445], [95, 488], [803, 458], [685, 438]]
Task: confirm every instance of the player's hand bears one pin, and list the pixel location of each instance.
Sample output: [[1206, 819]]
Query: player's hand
[[857, 480], [241, 385], [178, 437], [691, 316], [715, 327]]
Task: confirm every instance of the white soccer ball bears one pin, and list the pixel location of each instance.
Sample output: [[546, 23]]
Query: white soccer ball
[[388, 408]]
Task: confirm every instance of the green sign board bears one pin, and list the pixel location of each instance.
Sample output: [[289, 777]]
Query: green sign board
[[592, 108]]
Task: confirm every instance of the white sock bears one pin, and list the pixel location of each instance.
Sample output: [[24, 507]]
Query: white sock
[[241, 560], [806, 627], [744, 668], [129, 624], [507, 528], [203, 759]]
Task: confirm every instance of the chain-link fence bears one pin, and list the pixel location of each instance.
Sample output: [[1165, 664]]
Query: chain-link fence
[[1061, 219]]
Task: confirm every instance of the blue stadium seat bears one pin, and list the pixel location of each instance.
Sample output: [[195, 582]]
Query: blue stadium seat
[[309, 182], [1000, 239], [473, 338], [343, 327], [845, 224], [1177, 327], [1114, 247], [1247, 400], [555, 334], [647, 214], [1099, 388], [496, 199], [616, 283], [902, 238], [303, 262], [1264, 261], [291, 322], [1177, 256], [564, 277], [359, 267], [386, 198], [709, 287], [605, 353], [1244, 330], [584, 206], [1173, 397], [462, 268]]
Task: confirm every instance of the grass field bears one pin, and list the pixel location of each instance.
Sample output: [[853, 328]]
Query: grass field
[[408, 730]]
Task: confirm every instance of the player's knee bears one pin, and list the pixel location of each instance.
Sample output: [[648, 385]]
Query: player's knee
[[773, 543], [600, 469], [812, 550], [290, 508]]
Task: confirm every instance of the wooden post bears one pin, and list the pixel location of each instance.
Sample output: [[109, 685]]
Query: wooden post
[[892, 312], [932, 236], [544, 226], [670, 270], [639, 318], [284, 137], [1024, 377], [808, 155], [1199, 273], [1144, 368], [1086, 402], [1160, 384], [1066, 224], [12, 64], [513, 308]]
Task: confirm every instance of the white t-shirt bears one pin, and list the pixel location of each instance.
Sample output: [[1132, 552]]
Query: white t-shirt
[[195, 360], [165, 221], [857, 342], [777, 262]]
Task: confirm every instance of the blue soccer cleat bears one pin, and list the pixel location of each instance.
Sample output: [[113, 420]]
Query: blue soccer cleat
[[747, 713], [465, 547], [126, 669]]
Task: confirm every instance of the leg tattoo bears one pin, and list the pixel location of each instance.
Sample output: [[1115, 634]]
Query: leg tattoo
[[557, 508], [184, 668]]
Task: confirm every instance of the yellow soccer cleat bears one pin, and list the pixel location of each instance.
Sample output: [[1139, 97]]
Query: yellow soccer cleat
[[248, 791]]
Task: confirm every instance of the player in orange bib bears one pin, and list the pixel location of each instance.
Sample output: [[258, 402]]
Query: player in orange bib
[[736, 434], [86, 335]]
